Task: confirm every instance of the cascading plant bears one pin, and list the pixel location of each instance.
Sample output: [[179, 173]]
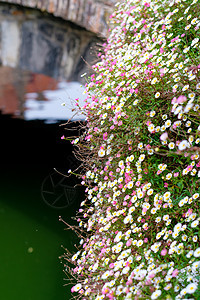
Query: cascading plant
[[140, 219]]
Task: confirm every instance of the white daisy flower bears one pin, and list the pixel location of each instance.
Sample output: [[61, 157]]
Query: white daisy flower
[[118, 237], [183, 145], [105, 275], [191, 288], [198, 86], [168, 176], [195, 41], [168, 123], [171, 145], [186, 87], [154, 80], [156, 294], [194, 223], [197, 252], [188, 107], [101, 153], [77, 287], [128, 219], [157, 95], [178, 110]]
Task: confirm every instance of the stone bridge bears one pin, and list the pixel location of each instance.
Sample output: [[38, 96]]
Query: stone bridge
[[52, 37], [90, 14]]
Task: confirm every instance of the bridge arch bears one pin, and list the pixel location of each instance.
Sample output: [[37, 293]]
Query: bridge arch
[[37, 41], [89, 14]]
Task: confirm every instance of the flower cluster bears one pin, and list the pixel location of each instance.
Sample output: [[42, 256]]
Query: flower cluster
[[141, 216]]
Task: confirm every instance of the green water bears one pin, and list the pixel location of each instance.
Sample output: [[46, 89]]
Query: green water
[[31, 238]]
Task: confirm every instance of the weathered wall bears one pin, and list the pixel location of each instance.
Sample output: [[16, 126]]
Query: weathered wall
[[32, 41], [90, 14]]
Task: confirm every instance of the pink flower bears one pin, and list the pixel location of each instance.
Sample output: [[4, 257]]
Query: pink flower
[[103, 250], [176, 174], [111, 272], [164, 136], [163, 252], [129, 242], [152, 275], [110, 296], [189, 168], [175, 273], [129, 282], [181, 99], [173, 100], [105, 290], [105, 136]]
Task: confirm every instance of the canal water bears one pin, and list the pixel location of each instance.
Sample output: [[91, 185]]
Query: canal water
[[32, 194]]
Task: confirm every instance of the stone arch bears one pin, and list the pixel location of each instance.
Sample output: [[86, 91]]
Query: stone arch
[[90, 14]]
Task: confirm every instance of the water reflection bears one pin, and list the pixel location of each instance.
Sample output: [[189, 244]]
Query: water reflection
[[30, 230], [31, 236], [37, 97]]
